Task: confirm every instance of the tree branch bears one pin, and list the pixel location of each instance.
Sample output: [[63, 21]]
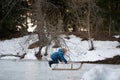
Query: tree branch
[[15, 55]]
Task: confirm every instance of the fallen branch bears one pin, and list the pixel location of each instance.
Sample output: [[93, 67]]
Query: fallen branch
[[15, 55]]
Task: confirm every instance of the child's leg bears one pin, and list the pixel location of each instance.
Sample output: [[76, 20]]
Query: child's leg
[[54, 61], [50, 63]]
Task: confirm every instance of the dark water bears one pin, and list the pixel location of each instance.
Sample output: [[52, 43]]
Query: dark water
[[38, 70]]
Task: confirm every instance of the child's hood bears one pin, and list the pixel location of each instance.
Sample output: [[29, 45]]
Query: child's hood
[[60, 50]]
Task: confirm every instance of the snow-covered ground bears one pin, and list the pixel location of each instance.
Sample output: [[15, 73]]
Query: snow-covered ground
[[77, 51], [102, 73], [36, 70]]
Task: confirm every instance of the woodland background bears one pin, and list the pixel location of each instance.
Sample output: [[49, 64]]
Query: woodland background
[[98, 19]]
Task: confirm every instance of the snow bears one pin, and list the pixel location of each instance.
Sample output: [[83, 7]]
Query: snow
[[18, 45], [77, 50], [116, 36], [102, 73]]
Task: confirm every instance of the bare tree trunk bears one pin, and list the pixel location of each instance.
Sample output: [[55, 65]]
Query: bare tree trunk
[[78, 19], [65, 23], [110, 24], [88, 26], [39, 28]]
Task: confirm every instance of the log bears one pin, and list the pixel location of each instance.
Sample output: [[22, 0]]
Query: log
[[15, 55]]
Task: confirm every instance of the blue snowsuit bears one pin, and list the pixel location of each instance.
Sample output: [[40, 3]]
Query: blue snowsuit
[[58, 56]]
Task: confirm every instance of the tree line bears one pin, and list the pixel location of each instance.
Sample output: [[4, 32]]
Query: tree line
[[104, 15], [53, 17]]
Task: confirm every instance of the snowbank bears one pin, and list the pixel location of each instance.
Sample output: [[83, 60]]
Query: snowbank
[[102, 73]]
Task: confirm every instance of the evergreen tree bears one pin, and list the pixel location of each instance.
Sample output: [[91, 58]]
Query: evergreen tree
[[13, 15]]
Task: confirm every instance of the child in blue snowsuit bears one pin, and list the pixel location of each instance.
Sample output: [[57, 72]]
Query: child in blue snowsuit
[[58, 56]]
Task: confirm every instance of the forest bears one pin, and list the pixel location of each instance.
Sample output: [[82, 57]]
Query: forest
[[86, 18], [63, 15]]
